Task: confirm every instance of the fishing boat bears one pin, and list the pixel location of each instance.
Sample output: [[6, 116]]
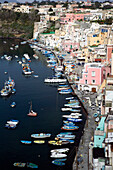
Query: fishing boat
[[12, 121], [54, 80], [26, 69], [76, 114], [6, 91], [13, 104], [19, 164], [69, 127], [74, 120], [23, 60], [59, 163], [58, 155], [41, 135], [10, 126], [66, 133], [65, 91], [69, 124], [31, 112], [27, 57], [31, 165], [60, 150], [62, 159], [35, 56], [67, 140], [66, 136], [26, 142], [55, 142], [8, 57], [39, 141], [69, 98], [35, 76], [70, 116], [75, 110], [66, 109]]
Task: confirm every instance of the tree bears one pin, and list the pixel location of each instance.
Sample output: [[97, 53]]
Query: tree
[[50, 9], [5, 1], [97, 4]]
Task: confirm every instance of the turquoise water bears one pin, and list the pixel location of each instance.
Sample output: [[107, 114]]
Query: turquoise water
[[46, 102]]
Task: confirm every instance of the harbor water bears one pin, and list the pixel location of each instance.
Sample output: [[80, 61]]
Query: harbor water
[[46, 101]]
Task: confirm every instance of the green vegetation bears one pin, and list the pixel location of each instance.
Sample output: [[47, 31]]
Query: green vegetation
[[18, 25], [51, 28], [56, 49]]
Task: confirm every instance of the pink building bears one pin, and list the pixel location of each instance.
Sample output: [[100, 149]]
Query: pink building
[[93, 76], [109, 52], [70, 17], [68, 45]]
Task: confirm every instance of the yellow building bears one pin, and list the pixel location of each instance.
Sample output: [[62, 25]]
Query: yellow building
[[99, 37], [54, 18]]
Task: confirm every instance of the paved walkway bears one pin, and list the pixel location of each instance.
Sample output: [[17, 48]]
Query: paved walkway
[[88, 133]]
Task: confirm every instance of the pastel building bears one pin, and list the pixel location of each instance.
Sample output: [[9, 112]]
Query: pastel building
[[71, 17], [99, 135], [69, 45], [109, 52], [92, 76]]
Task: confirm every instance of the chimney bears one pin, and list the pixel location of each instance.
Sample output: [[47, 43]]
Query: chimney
[[112, 63]]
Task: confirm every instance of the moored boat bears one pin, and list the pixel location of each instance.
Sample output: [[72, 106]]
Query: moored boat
[[58, 155], [60, 150], [41, 135], [26, 142], [19, 164], [69, 127], [13, 104], [59, 163], [31, 112], [39, 141], [26, 69], [31, 165]]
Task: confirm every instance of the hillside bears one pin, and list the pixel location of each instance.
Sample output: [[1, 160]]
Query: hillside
[[19, 25]]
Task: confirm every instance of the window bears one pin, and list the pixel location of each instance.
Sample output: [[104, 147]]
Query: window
[[93, 73], [93, 81], [85, 81]]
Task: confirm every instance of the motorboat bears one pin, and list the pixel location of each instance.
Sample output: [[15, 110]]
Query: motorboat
[[58, 155], [66, 136], [26, 69], [13, 104], [59, 163], [19, 164], [41, 135], [65, 109], [31, 112], [62, 150], [39, 141], [26, 142], [54, 80]]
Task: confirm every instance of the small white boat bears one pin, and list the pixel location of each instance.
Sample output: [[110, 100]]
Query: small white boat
[[65, 109], [35, 76], [35, 56], [54, 80], [41, 135], [8, 58], [70, 116], [60, 150], [69, 98], [58, 155], [20, 62], [76, 114], [16, 56]]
